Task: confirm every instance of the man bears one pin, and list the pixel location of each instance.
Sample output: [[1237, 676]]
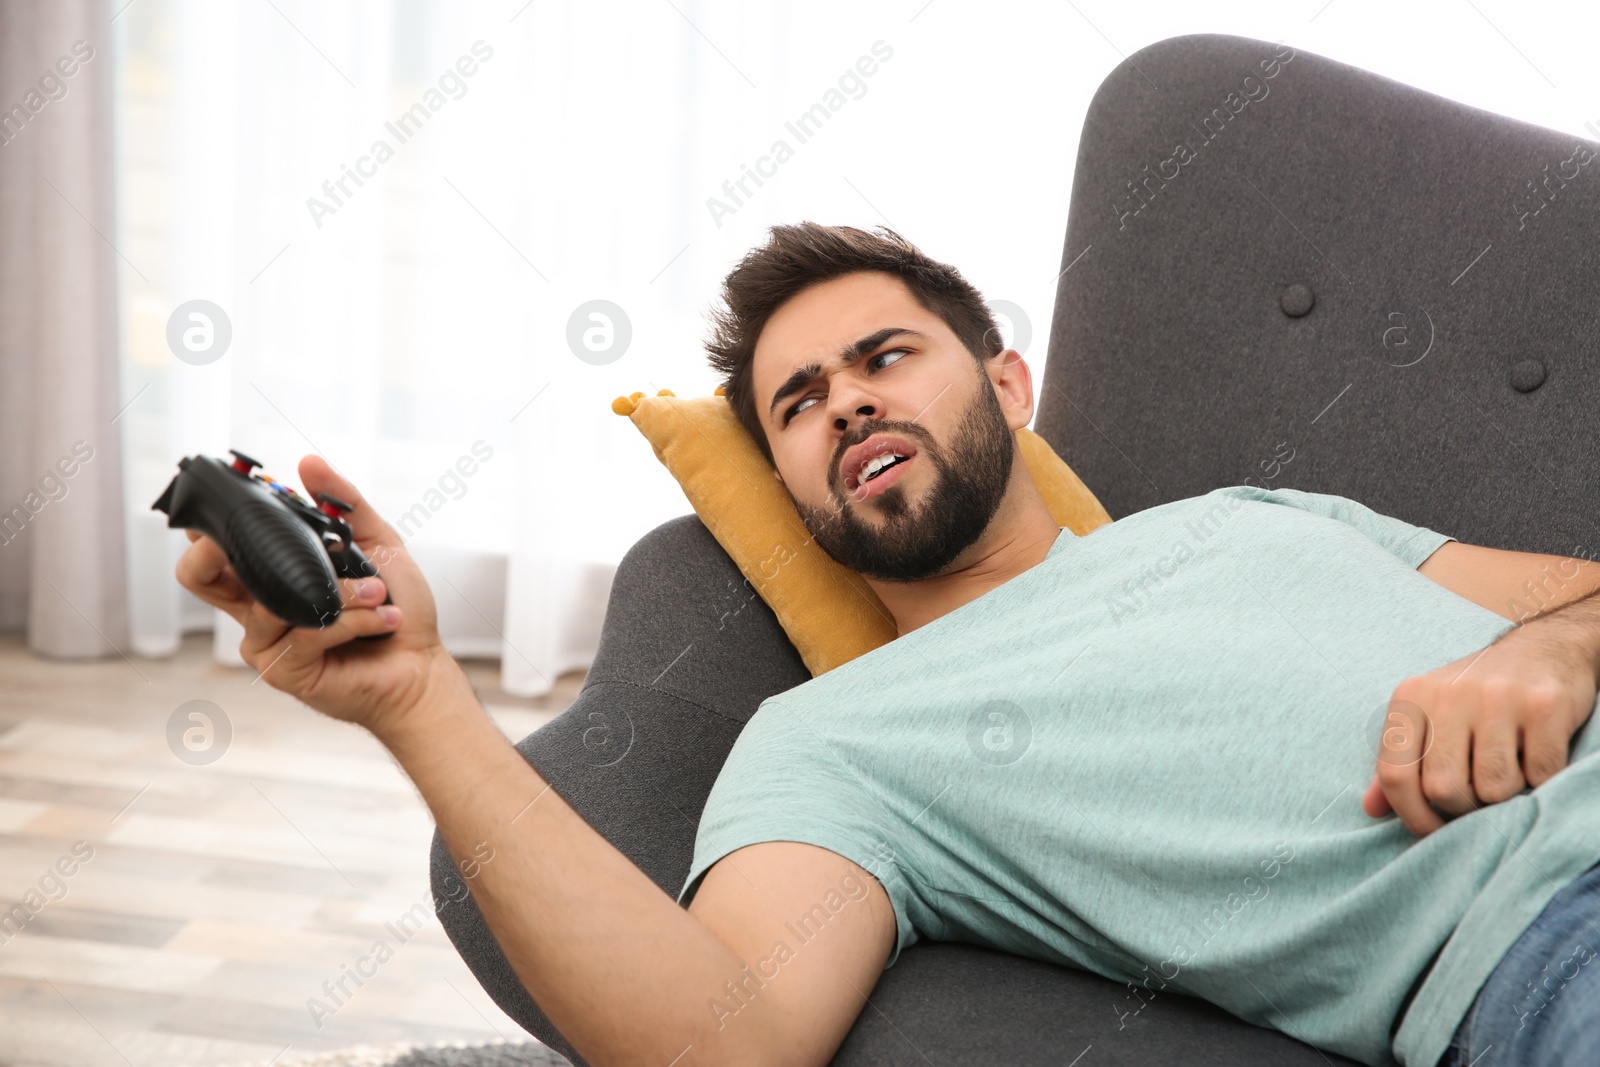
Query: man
[[1164, 795]]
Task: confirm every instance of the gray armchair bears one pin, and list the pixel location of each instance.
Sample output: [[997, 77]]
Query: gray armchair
[[1398, 287]]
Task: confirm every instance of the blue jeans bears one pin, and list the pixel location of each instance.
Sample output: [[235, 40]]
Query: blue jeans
[[1541, 1004]]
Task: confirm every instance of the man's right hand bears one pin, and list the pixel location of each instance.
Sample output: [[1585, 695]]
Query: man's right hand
[[371, 683]]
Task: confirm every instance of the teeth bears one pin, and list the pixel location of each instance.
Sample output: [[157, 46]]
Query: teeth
[[877, 463]]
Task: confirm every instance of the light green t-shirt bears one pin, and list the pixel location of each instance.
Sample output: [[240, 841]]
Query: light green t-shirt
[[1145, 757]]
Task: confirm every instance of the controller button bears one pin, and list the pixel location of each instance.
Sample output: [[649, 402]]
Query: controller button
[[241, 462], [332, 505]]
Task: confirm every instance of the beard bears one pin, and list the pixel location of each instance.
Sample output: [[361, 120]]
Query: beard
[[913, 543]]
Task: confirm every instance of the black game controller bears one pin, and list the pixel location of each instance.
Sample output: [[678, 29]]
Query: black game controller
[[287, 553]]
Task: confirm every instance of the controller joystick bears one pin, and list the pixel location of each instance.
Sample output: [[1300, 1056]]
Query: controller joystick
[[288, 553]]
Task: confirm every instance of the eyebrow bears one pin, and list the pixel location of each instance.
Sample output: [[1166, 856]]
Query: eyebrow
[[804, 375]]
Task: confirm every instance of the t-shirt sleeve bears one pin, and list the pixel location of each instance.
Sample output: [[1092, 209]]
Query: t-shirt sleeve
[[1410, 543], [784, 782]]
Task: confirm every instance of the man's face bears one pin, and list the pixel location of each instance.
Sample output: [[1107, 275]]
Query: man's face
[[910, 388]]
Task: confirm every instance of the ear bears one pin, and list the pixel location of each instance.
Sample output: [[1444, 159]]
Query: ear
[[1013, 385]]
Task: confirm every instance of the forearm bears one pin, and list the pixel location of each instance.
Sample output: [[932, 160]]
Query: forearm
[[1573, 628], [1519, 585], [620, 969], [1560, 582]]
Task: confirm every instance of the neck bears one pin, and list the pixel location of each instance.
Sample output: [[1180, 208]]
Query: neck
[[1018, 537]]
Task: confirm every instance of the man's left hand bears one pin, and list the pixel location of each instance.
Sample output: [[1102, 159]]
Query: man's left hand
[[1481, 729]]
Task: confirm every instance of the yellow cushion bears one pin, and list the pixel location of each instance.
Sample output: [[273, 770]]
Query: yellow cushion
[[829, 611]]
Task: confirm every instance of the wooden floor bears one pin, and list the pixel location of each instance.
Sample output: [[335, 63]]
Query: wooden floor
[[218, 898]]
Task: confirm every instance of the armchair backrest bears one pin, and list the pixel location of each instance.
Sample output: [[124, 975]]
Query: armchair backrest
[[1286, 270]]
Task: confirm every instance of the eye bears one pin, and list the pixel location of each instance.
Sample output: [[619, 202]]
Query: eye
[[800, 405], [891, 352]]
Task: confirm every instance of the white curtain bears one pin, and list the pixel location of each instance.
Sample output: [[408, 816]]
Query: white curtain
[[62, 576]]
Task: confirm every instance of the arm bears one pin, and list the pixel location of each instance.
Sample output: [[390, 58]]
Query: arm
[[1481, 729], [617, 966], [1518, 585], [622, 971]]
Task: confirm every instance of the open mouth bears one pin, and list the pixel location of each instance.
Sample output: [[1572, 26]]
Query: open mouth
[[875, 464], [880, 464], [880, 477]]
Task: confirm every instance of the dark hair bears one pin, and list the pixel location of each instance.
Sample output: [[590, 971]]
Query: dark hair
[[794, 259]]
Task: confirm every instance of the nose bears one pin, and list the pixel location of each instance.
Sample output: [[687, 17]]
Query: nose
[[850, 403]]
